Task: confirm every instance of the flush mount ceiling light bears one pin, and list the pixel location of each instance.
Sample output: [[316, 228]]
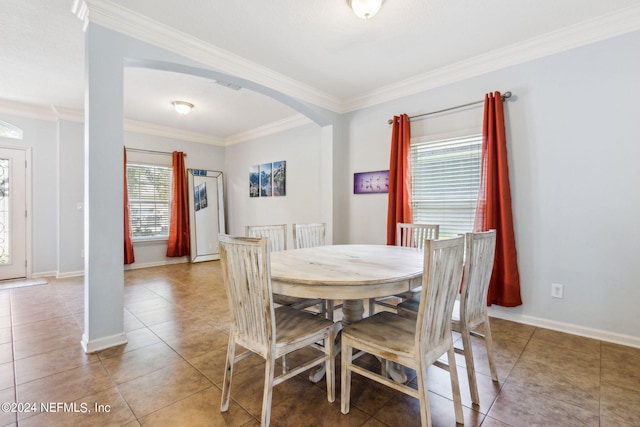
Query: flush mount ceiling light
[[182, 107], [365, 9]]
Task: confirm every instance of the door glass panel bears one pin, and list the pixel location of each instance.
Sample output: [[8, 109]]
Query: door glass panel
[[5, 256]]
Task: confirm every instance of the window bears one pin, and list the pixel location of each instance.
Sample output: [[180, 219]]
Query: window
[[149, 189], [445, 181], [10, 131]]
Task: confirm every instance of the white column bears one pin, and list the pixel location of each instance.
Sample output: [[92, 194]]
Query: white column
[[103, 195]]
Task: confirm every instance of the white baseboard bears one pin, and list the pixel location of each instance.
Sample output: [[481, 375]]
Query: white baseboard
[[102, 343], [569, 328], [43, 274], [133, 266], [136, 265], [70, 274]]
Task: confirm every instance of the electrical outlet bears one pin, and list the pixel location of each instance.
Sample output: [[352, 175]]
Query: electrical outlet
[[556, 290]]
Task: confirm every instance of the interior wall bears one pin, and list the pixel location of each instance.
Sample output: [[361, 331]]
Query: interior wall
[[572, 130], [40, 135], [301, 149], [199, 156], [58, 190], [70, 254]]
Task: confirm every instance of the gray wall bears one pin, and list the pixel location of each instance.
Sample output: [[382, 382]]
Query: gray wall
[[301, 149], [572, 128], [58, 187], [573, 135]]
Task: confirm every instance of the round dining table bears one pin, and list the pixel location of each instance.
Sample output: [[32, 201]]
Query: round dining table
[[350, 273]]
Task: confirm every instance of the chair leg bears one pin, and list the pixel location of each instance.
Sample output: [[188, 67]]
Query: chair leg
[[423, 392], [268, 390], [455, 385], [329, 347], [228, 374], [329, 309], [471, 371], [345, 394], [488, 342]]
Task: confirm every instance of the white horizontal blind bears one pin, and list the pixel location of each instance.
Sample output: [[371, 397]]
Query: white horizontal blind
[[149, 189], [445, 181]]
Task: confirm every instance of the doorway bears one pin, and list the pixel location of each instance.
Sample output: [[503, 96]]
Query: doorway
[[13, 213]]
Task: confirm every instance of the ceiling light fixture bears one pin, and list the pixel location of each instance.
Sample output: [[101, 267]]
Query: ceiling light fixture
[[365, 9], [182, 107]]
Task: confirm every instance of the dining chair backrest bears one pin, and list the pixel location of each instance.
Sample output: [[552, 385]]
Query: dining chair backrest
[[247, 279], [414, 235], [246, 271], [478, 266], [443, 267], [276, 234], [308, 235]]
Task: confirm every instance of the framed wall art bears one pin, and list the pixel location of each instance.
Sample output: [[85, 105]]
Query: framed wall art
[[371, 182], [268, 179]]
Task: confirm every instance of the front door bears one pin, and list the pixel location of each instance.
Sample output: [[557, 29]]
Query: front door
[[13, 221]]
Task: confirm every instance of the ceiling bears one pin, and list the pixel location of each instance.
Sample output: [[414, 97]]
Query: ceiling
[[316, 51]]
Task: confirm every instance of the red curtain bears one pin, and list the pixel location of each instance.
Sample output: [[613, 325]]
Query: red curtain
[[179, 240], [128, 244], [494, 206], [399, 209]]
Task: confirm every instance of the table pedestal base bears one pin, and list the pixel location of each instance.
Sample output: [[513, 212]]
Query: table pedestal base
[[353, 311]]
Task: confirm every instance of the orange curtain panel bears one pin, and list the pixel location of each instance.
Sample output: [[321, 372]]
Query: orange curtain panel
[[128, 244], [494, 205], [179, 240], [399, 209]]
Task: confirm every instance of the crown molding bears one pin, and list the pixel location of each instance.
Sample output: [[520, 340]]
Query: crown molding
[[54, 114], [141, 27], [268, 129], [69, 115], [168, 132], [30, 111], [607, 26], [125, 21]]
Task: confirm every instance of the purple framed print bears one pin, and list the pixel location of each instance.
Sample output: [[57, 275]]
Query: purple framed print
[[371, 182]]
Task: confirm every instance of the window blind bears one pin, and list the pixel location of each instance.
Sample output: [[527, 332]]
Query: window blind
[[445, 181], [149, 189]]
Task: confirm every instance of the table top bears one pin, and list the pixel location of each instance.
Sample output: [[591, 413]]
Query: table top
[[346, 271]]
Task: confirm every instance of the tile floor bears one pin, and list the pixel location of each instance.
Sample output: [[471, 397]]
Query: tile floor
[[170, 372]]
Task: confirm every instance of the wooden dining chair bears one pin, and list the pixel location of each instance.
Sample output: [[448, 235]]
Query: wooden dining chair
[[414, 235], [470, 312], [311, 236], [277, 240], [416, 344], [277, 235], [262, 329], [410, 236], [308, 235]]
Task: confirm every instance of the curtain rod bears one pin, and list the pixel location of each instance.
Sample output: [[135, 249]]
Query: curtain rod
[[504, 96], [164, 153]]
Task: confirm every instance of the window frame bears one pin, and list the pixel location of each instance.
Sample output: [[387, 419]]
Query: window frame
[[450, 224], [133, 201]]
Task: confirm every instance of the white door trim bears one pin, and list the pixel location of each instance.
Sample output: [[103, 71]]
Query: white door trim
[[28, 204]]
